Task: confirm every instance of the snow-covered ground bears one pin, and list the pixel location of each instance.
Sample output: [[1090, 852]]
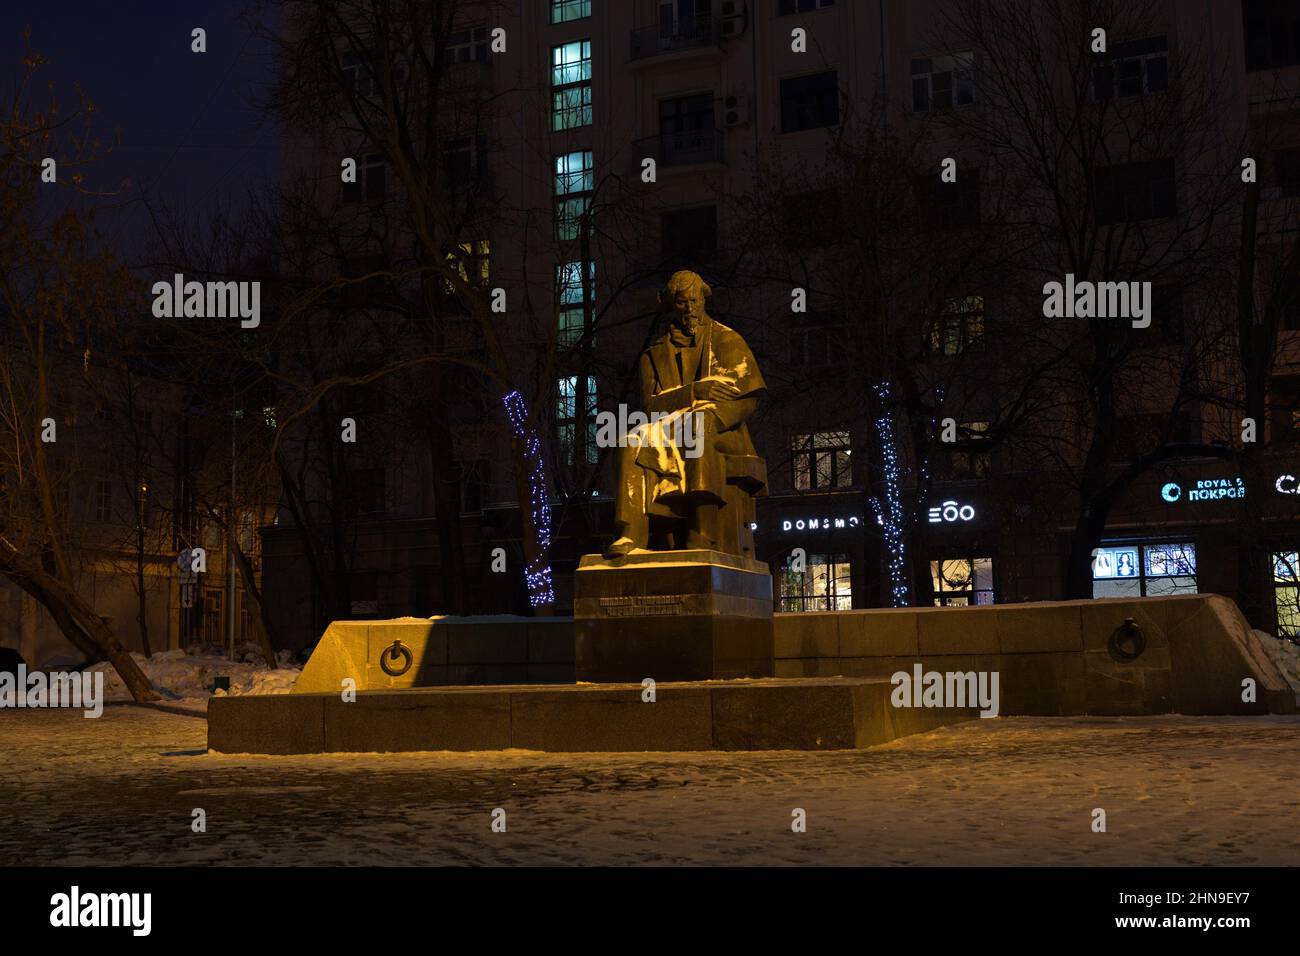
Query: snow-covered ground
[[1285, 654], [181, 676]]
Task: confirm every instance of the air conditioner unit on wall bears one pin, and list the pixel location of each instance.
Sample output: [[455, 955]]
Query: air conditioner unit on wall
[[735, 110]]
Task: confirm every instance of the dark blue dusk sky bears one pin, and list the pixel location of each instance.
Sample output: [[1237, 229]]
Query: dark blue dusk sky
[[187, 132]]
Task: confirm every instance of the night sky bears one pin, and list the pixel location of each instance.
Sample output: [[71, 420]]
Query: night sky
[[181, 123]]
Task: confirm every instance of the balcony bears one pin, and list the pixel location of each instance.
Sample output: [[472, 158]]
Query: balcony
[[661, 39], [685, 148]]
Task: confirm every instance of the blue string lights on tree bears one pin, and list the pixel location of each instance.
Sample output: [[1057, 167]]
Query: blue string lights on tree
[[541, 591], [890, 512]]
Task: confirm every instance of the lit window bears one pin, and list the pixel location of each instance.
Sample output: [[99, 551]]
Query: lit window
[[961, 582], [1144, 570], [567, 404], [571, 85], [826, 584], [822, 460], [562, 11], [471, 260], [568, 283], [574, 183], [941, 82], [1286, 591], [959, 324]]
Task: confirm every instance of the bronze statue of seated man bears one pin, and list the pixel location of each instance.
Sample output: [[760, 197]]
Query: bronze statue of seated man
[[698, 477]]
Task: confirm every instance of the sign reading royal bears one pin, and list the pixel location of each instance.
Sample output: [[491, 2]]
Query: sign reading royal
[[1205, 489]]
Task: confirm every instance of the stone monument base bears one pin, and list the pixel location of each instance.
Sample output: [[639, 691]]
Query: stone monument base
[[672, 616]]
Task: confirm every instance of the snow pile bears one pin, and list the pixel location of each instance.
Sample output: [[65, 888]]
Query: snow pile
[[1285, 654], [181, 676]]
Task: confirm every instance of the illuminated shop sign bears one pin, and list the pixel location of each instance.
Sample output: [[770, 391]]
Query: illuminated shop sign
[[951, 511], [820, 524], [1214, 489], [1206, 489]]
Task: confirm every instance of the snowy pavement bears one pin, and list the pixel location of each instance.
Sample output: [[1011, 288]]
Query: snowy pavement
[[1176, 790]]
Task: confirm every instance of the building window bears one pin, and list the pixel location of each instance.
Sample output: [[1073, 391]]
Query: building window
[[471, 261], [562, 11], [971, 458], [365, 492], [573, 307], [822, 460], [825, 585], [941, 82], [786, 7], [943, 205], [468, 46], [1286, 169], [689, 237], [1286, 591], [567, 404], [962, 582], [474, 485], [571, 85], [1272, 34], [371, 180], [465, 161], [818, 340], [1135, 192], [959, 324], [574, 182], [686, 130], [213, 632], [1122, 569], [103, 500], [810, 102], [359, 75], [1131, 69]]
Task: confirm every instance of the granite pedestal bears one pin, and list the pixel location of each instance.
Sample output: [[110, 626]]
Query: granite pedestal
[[672, 616]]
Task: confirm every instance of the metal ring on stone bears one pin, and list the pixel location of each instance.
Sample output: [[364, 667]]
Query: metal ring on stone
[[1127, 633], [392, 653]]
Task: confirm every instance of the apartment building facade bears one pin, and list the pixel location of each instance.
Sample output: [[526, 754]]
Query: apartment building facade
[[621, 145]]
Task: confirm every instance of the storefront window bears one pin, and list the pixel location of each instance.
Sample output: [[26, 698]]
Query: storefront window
[[959, 582], [825, 585], [1286, 591], [1144, 570]]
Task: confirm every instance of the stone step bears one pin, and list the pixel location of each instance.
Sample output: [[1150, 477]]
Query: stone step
[[767, 714]]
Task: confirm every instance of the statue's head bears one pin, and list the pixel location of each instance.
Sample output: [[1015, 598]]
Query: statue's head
[[685, 294]]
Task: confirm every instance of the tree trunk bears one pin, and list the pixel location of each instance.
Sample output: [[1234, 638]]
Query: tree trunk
[[76, 619], [252, 593]]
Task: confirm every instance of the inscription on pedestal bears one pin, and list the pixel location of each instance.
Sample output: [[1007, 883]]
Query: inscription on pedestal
[[643, 605]]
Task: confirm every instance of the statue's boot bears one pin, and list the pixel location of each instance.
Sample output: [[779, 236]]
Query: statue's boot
[[621, 547]]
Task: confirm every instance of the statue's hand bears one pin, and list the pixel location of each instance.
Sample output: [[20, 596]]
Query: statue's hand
[[714, 390]]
